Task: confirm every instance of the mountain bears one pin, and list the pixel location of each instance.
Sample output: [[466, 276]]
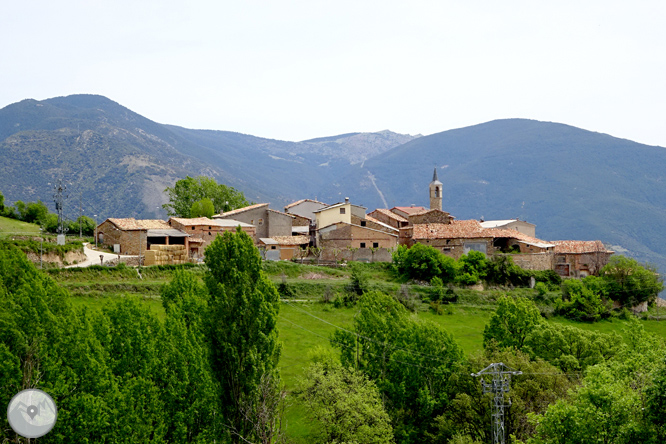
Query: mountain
[[572, 183], [118, 163]]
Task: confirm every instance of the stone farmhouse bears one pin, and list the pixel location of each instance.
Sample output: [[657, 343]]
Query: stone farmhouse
[[203, 231], [133, 236]]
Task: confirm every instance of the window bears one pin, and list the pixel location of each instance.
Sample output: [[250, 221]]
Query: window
[[342, 210], [261, 221], [209, 233], [209, 228], [363, 223], [273, 247], [375, 245], [192, 228], [362, 244], [437, 191]]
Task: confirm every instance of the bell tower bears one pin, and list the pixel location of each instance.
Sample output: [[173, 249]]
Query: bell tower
[[435, 192]]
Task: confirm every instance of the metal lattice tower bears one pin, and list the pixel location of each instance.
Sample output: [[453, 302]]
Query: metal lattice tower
[[499, 385], [59, 197]]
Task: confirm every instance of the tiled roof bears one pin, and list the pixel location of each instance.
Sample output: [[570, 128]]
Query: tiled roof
[[339, 204], [470, 229], [199, 221], [291, 240], [409, 210], [280, 212], [461, 229], [379, 222], [139, 224], [239, 210], [579, 247], [391, 214], [426, 211], [500, 223], [293, 204]]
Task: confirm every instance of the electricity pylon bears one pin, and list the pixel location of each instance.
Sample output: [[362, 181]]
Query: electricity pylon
[[499, 385]]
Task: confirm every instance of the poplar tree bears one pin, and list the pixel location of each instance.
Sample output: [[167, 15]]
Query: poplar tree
[[243, 333]]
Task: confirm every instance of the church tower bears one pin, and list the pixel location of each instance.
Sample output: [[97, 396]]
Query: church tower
[[435, 192]]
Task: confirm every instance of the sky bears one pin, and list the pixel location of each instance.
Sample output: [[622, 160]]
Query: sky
[[294, 70]]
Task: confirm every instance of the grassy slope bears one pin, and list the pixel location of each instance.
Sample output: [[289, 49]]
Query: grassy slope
[[10, 227]]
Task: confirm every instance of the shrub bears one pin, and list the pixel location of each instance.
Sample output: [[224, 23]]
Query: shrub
[[423, 262], [629, 282]]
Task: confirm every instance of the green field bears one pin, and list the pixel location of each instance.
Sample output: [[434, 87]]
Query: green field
[[13, 227]]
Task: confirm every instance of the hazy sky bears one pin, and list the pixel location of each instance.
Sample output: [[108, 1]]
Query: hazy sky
[[294, 70]]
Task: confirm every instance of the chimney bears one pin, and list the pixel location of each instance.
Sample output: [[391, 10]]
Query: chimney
[[346, 200]]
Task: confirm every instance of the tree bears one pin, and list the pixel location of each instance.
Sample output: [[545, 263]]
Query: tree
[[243, 332], [187, 191], [629, 282], [570, 348], [511, 323], [583, 300], [346, 405], [2, 203], [411, 361], [202, 208], [472, 267], [423, 262], [84, 224]]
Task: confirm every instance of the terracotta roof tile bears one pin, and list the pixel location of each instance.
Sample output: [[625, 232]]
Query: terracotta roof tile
[[239, 210], [409, 210], [579, 247], [291, 240], [470, 229], [139, 224], [293, 204], [391, 214]]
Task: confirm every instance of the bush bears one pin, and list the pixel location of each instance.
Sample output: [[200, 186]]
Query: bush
[[629, 282], [583, 300], [423, 262]]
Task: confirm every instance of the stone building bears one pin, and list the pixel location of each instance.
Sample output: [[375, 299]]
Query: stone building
[[305, 208], [135, 236], [580, 258], [460, 237], [203, 231], [267, 222], [511, 224]]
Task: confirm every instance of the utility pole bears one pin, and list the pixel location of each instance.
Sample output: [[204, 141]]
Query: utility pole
[[501, 379], [58, 198], [80, 214]]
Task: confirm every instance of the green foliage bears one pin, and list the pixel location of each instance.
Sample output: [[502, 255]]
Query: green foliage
[[472, 267], [346, 405], [656, 402], [584, 300], [610, 405], [358, 283], [117, 375], [511, 323], [243, 335], [186, 192], [569, 348], [469, 414], [629, 282], [83, 224], [202, 208], [423, 262], [411, 361]]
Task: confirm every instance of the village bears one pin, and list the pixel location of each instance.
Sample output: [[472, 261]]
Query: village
[[332, 233]]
